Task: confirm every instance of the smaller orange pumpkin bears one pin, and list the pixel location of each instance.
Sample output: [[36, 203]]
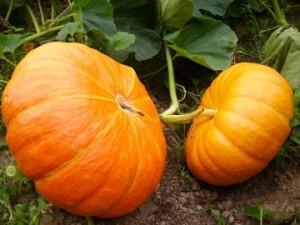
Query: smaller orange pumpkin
[[254, 105]]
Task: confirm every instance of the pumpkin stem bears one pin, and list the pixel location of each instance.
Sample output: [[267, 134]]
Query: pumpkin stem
[[188, 117], [122, 103], [168, 115], [172, 84], [128, 108]]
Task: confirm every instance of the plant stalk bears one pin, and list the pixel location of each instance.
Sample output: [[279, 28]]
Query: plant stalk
[[279, 14], [8, 61], [11, 5], [53, 11], [89, 221], [268, 9], [58, 20], [62, 14], [43, 33], [41, 12], [33, 18], [172, 85], [188, 117]]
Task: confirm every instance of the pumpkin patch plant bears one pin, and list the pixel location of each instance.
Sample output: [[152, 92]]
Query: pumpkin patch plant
[[242, 121], [240, 125], [82, 126]]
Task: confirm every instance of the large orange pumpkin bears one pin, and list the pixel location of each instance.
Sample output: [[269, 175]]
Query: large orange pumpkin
[[84, 128], [254, 105]]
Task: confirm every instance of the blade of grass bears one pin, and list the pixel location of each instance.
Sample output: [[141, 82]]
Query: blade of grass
[[53, 10], [41, 12], [33, 18], [11, 5]]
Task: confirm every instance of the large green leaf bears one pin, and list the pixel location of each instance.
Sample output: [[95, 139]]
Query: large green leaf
[[68, 30], [121, 40], [282, 52], [239, 8], [105, 44], [138, 18], [175, 13], [10, 42], [147, 43], [139, 13], [96, 15], [206, 41], [215, 7]]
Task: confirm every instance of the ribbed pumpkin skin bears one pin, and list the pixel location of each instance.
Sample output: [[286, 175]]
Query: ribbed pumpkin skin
[[254, 106], [69, 133]]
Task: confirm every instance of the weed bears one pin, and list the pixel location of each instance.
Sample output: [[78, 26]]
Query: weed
[[259, 213], [221, 221]]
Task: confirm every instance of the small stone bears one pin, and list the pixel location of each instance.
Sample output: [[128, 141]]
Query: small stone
[[231, 219], [215, 213], [226, 214], [46, 219], [191, 211], [182, 200], [184, 209], [290, 209], [195, 185], [199, 207], [228, 205]]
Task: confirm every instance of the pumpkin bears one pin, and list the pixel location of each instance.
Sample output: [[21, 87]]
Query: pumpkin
[[253, 105], [83, 127]]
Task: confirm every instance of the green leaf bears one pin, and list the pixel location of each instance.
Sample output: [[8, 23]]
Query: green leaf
[[132, 35], [138, 18], [259, 212], [96, 15], [256, 212], [147, 43], [240, 8], [69, 30], [101, 41], [215, 7], [89, 220], [175, 13], [121, 40], [17, 3], [282, 52], [205, 41], [10, 42], [139, 13]]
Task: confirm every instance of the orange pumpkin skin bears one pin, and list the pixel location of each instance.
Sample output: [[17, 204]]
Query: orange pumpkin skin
[[84, 128], [254, 106]]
